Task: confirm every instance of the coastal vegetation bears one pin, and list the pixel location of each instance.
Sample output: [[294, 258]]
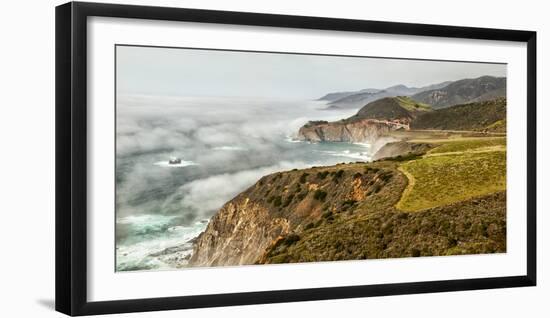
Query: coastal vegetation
[[446, 198], [438, 187]]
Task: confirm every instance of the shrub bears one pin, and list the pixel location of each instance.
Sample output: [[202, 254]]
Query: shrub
[[452, 242], [309, 226], [302, 195], [277, 201], [283, 258], [327, 214], [386, 176], [349, 202], [357, 175], [303, 177], [319, 195], [322, 175], [415, 252], [291, 239], [405, 157], [288, 200], [370, 169], [338, 246], [376, 188]]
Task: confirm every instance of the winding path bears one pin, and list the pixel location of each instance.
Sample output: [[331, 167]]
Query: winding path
[[408, 188]]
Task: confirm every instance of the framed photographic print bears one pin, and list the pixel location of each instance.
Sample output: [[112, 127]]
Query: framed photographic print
[[213, 158]]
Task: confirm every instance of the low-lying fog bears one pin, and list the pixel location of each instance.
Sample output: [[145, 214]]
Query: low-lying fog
[[225, 144]]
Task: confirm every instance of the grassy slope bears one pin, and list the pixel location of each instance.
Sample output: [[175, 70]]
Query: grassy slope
[[412, 105], [471, 144], [449, 178], [474, 116], [391, 108], [458, 199]]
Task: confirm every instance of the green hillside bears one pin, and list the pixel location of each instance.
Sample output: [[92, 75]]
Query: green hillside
[[480, 116], [451, 200], [391, 108]]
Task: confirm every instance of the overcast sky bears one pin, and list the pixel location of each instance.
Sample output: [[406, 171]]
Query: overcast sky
[[189, 72]]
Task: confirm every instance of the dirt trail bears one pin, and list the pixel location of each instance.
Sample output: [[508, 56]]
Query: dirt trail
[[408, 189]]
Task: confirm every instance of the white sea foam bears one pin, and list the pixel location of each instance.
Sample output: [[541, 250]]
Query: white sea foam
[[183, 163], [363, 156], [141, 255], [292, 139], [363, 144]]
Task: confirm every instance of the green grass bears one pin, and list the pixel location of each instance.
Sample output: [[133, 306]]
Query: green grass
[[412, 105], [468, 144], [445, 179]]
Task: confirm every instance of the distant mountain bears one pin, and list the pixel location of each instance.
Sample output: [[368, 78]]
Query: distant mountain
[[335, 96], [402, 90], [481, 116], [339, 95], [463, 92], [359, 99], [363, 97]]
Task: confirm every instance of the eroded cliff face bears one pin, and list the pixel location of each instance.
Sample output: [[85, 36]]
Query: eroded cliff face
[[345, 212], [366, 130], [238, 234], [278, 207]]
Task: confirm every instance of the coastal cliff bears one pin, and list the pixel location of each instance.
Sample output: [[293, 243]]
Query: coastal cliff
[[243, 228], [395, 207], [280, 206], [372, 121], [435, 191], [365, 130]]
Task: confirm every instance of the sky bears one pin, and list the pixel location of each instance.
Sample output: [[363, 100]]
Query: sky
[[192, 72]]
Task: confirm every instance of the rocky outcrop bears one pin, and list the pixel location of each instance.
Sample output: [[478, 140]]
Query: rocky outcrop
[[371, 121], [238, 234], [401, 148], [344, 212], [279, 207], [366, 130]]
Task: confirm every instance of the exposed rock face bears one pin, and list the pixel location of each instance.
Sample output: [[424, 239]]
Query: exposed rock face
[[366, 130], [371, 121], [238, 234], [279, 207], [344, 212]]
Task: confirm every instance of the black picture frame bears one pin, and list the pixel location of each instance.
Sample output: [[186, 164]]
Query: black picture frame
[[71, 157]]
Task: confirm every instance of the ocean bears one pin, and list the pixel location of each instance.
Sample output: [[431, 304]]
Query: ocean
[[225, 146]]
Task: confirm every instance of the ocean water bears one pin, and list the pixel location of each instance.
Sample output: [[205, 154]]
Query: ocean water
[[225, 144]]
